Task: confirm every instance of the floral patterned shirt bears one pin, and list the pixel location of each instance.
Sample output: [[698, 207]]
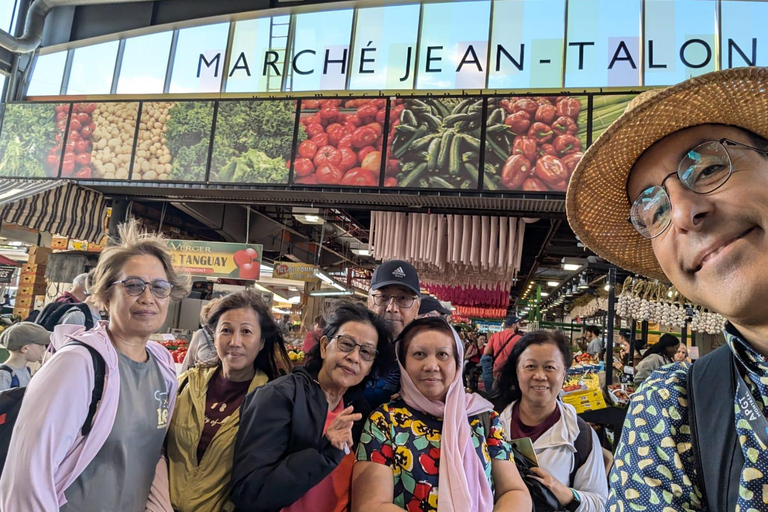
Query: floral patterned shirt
[[408, 441], [655, 470]]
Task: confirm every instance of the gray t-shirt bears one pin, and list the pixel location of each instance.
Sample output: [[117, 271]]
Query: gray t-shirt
[[120, 476], [6, 378]]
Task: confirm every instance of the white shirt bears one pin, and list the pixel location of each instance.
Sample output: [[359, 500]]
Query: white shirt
[[555, 453]]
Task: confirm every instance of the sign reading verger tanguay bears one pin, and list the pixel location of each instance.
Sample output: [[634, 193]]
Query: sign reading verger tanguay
[[216, 259]]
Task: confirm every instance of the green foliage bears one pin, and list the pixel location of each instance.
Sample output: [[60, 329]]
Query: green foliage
[[189, 135], [28, 133], [254, 166]]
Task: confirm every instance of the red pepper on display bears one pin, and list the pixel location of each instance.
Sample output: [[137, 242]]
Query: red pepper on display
[[541, 132], [568, 107], [565, 125], [310, 104], [565, 144], [546, 149], [68, 164], [546, 113], [516, 170], [87, 131], [82, 146], [329, 114], [570, 160], [345, 142], [525, 146], [534, 185], [83, 159], [526, 105], [364, 152], [74, 125], [551, 170], [335, 136], [367, 113], [519, 122], [84, 173]]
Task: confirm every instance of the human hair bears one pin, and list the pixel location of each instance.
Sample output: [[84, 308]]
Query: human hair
[[666, 341], [593, 329], [272, 358], [80, 280], [758, 141], [508, 389], [320, 321], [430, 323], [134, 241], [205, 311], [344, 313]]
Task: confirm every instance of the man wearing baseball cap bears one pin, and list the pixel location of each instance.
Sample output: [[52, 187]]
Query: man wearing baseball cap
[[27, 343], [677, 189], [395, 296]]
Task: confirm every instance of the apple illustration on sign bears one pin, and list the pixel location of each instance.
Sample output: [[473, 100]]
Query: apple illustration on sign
[[247, 262]]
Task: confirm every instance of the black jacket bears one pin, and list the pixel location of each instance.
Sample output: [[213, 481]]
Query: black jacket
[[280, 451]]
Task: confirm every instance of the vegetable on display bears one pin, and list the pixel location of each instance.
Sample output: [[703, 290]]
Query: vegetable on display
[[101, 138], [344, 142], [533, 143], [253, 141], [435, 143], [32, 139], [606, 109]]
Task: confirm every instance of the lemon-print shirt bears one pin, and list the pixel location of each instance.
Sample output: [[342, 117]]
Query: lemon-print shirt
[[408, 441], [655, 469]]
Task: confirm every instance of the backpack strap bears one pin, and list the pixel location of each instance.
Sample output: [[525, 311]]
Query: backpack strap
[[501, 351], [583, 445], [711, 392], [99, 367], [14, 378], [485, 420]]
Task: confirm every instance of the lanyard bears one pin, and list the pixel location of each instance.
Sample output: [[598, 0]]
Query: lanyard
[[749, 408]]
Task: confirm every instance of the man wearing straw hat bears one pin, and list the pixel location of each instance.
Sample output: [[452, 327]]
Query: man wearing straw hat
[[677, 189]]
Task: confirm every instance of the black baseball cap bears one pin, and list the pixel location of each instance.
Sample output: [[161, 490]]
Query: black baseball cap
[[510, 321], [625, 333], [396, 273], [429, 304]]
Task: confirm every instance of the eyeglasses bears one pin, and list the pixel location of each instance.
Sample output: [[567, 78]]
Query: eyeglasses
[[702, 170], [348, 344], [135, 286], [402, 301]]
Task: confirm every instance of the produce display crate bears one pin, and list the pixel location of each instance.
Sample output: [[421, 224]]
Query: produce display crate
[[26, 290], [22, 312], [586, 400], [33, 270], [31, 280], [38, 255], [24, 302]]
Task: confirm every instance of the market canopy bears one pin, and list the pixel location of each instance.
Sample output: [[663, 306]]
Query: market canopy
[[59, 207]]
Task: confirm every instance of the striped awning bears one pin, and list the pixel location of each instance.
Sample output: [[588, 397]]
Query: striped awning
[[59, 207]]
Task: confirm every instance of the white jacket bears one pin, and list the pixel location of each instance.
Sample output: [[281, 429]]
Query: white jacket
[[555, 452]]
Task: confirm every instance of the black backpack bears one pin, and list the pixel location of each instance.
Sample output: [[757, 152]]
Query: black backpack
[[10, 403], [55, 311]]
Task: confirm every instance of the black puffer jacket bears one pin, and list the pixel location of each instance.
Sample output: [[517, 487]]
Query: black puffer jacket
[[280, 451]]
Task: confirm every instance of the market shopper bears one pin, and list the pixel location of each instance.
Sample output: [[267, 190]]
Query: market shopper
[[51, 466], [595, 344], [472, 355], [659, 354], [395, 296], [313, 336], [202, 348], [497, 351], [682, 354], [430, 306], [293, 448], [87, 313], [26, 343], [447, 442], [570, 460], [688, 166], [201, 438], [77, 293]]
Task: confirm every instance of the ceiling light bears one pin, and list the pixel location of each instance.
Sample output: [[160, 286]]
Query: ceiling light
[[328, 279], [607, 287], [571, 267], [552, 284], [293, 289], [361, 252], [544, 294], [295, 300], [311, 218], [15, 244], [330, 293]]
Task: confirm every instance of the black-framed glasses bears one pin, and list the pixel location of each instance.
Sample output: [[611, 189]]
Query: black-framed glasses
[[702, 170], [135, 286], [402, 301], [347, 344]]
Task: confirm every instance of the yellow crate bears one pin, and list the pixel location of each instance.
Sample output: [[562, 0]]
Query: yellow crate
[[586, 400]]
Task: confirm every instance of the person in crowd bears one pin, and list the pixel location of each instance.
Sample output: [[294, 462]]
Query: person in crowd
[[659, 354], [447, 442], [472, 356], [497, 351], [682, 354], [688, 166], [201, 438], [528, 392], [202, 348], [595, 344], [580, 344], [623, 362], [76, 316], [292, 451], [395, 296], [430, 306], [312, 337], [119, 465], [26, 343], [6, 300], [285, 325], [77, 293]]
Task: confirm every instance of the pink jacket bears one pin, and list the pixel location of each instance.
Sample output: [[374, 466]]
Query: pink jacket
[[48, 452]]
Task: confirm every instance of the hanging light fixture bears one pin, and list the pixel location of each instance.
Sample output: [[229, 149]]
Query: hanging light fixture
[[583, 284]]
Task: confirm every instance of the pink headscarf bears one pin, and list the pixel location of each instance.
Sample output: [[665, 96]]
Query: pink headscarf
[[463, 486]]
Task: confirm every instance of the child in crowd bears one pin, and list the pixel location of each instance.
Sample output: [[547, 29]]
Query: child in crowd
[[27, 343]]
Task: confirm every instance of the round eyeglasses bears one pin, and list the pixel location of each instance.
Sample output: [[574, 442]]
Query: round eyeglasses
[[135, 286], [702, 170], [347, 344], [402, 301]]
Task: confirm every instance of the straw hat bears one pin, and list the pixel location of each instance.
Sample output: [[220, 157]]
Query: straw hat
[[596, 201]]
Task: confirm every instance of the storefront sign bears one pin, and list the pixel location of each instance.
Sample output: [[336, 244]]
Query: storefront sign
[[6, 274], [485, 44], [295, 272], [216, 259]]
